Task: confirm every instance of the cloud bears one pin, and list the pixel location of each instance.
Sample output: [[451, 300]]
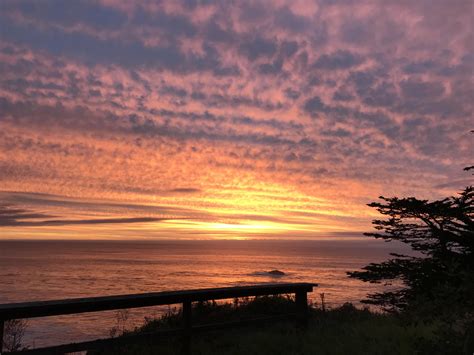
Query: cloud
[[40, 200], [256, 47], [15, 217], [341, 59], [414, 89], [90, 13], [362, 80], [314, 105], [286, 19], [419, 67], [342, 95], [175, 106], [292, 94], [357, 32], [185, 190], [170, 24], [383, 94], [456, 184], [91, 49], [214, 32]]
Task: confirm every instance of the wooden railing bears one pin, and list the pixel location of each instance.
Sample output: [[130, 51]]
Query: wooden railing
[[95, 304]]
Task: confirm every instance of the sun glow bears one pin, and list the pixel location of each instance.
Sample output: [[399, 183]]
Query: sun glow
[[248, 227], [248, 209]]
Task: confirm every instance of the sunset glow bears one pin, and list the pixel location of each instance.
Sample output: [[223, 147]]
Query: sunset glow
[[226, 119]]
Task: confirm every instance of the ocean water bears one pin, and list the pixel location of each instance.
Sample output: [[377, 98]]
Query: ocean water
[[45, 270]]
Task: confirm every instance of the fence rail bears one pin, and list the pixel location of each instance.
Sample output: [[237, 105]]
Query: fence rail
[[95, 304]]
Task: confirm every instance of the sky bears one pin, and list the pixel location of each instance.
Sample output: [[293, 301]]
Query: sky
[[228, 119]]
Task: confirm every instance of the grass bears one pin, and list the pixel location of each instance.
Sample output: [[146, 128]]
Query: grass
[[344, 330]]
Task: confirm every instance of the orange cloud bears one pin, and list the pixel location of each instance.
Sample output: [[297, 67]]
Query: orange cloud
[[231, 120]]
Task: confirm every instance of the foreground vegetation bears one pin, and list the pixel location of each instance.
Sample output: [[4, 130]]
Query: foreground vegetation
[[343, 330]]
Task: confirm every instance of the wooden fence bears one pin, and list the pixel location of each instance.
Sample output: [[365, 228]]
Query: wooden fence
[[95, 304]]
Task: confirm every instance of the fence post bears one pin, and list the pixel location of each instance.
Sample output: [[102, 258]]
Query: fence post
[[187, 307], [2, 327], [301, 300]]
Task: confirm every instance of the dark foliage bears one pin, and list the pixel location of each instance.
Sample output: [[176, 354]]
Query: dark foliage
[[343, 330], [436, 282], [442, 232]]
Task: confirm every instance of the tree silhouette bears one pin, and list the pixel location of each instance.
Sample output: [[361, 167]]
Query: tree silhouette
[[439, 279], [442, 232]]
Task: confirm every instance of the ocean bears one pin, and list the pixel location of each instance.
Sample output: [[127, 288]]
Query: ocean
[[45, 270]]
